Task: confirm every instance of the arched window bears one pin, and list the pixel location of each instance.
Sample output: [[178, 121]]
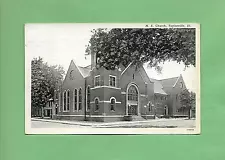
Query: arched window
[[68, 100], [64, 101], [112, 104], [80, 99], [75, 99], [96, 104], [88, 98], [132, 93]]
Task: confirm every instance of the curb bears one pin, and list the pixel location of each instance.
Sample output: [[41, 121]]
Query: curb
[[61, 122]]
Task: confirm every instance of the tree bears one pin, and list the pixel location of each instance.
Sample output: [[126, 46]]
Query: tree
[[188, 101], [44, 80], [150, 45]]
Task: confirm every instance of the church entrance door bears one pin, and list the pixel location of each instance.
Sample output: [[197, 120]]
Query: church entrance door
[[132, 100], [132, 110]]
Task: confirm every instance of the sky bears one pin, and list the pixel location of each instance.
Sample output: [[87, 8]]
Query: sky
[[60, 43]]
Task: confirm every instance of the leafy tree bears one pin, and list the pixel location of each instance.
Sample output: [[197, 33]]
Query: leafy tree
[[44, 80], [188, 100], [149, 45]]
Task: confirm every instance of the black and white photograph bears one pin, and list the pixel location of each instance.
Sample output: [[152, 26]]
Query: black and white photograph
[[112, 78]]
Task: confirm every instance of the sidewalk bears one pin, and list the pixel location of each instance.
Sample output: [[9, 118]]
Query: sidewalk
[[103, 124]]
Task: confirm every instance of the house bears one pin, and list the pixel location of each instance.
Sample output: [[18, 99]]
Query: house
[[47, 110], [92, 94]]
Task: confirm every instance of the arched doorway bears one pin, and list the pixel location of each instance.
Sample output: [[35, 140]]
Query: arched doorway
[[132, 107]]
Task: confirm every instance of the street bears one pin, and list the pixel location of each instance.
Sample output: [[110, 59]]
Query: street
[[42, 124], [156, 123]]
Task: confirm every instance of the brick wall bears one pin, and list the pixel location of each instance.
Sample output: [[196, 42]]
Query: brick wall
[[76, 82]]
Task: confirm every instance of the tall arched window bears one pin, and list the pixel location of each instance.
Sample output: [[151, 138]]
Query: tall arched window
[[88, 98], [68, 100], [96, 104], [80, 99], [112, 104], [75, 99], [64, 101], [132, 93]]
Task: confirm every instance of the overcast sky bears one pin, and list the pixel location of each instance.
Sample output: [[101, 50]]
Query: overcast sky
[[60, 43]]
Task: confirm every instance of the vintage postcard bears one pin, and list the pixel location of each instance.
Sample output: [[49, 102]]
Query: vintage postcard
[[109, 78]]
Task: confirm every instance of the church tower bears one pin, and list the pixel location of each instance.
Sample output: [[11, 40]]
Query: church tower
[[93, 60]]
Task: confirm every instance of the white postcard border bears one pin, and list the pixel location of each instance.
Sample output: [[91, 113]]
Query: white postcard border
[[127, 131]]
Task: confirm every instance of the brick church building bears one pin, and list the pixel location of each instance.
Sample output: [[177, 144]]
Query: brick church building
[[92, 94]]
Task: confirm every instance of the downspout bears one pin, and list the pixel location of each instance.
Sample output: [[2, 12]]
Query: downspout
[[85, 99]]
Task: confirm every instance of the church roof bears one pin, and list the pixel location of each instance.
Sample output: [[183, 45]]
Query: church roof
[[158, 88], [158, 84], [169, 82], [164, 83], [85, 70]]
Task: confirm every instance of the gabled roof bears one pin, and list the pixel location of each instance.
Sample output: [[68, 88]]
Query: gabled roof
[[158, 88], [85, 70], [169, 82], [126, 68]]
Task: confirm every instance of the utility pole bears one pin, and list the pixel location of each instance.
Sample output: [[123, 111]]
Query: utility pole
[[85, 99]]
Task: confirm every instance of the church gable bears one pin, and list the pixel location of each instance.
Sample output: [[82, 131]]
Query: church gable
[[131, 75], [158, 88], [173, 85], [73, 76], [180, 84], [169, 82], [144, 75]]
